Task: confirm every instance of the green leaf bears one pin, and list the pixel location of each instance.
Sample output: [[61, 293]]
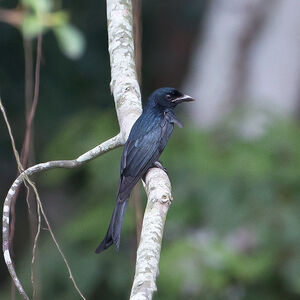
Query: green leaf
[[32, 26], [70, 40], [39, 5]]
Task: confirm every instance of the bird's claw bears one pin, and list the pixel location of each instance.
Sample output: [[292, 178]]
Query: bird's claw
[[159, 165]]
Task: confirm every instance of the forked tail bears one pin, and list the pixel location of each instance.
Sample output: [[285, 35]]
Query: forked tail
[[113, 234]]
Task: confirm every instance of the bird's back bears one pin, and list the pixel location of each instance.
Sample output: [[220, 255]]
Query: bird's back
[[146, 141]]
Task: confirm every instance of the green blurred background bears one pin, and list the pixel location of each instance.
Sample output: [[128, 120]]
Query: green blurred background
[[233, 230]]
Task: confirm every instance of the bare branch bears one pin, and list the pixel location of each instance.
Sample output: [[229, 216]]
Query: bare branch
[[32, 277], [40, 207], [97, 151], [30, 115], [158, 188], [124, 86]]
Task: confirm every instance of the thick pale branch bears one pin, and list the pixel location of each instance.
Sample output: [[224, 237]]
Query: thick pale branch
[[158, 188], [124, 84], [125, 88]]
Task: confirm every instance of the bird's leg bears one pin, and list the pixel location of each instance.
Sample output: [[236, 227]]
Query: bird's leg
[[159, 165]]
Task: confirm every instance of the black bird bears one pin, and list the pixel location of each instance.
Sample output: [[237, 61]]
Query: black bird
[[147, 139]]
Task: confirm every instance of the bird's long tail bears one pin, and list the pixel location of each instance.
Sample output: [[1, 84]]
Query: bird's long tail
[[113, 234]]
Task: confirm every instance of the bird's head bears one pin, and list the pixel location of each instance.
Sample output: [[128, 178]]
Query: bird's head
[[169, 97]]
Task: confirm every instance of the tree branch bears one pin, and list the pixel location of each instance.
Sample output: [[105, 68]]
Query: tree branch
[[124, 86], [126, 91], [158, 188], [68, 164]]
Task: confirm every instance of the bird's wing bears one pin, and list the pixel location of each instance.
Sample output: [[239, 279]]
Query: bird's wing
[[138, 156], [139, 152]]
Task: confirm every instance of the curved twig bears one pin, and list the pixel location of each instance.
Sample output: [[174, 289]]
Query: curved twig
[[69, 164]]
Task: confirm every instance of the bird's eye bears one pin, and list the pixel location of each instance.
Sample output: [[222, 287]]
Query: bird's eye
[[168, 97]]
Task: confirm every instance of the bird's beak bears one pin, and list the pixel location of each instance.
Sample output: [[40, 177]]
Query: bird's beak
[[184, 98]]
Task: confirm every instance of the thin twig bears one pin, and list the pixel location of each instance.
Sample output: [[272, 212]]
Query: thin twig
[[17, 157], [34, 285], [8, 241], [30, 111], [54, 239], [68, 164], [30, 116], [27, 153], [98, 150], [28, 73]]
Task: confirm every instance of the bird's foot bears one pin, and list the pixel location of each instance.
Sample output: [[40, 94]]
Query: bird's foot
[[159, 165]]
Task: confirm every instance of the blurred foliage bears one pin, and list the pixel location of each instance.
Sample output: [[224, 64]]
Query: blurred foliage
[[232, 231], [40, 17]]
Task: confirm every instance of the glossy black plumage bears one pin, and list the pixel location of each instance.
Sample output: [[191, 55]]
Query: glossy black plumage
[[147, 139]]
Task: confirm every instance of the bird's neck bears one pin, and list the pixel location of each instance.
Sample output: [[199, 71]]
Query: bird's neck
[[152, 106]]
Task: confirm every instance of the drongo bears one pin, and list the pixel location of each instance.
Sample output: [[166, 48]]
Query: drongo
[[147, 140]]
